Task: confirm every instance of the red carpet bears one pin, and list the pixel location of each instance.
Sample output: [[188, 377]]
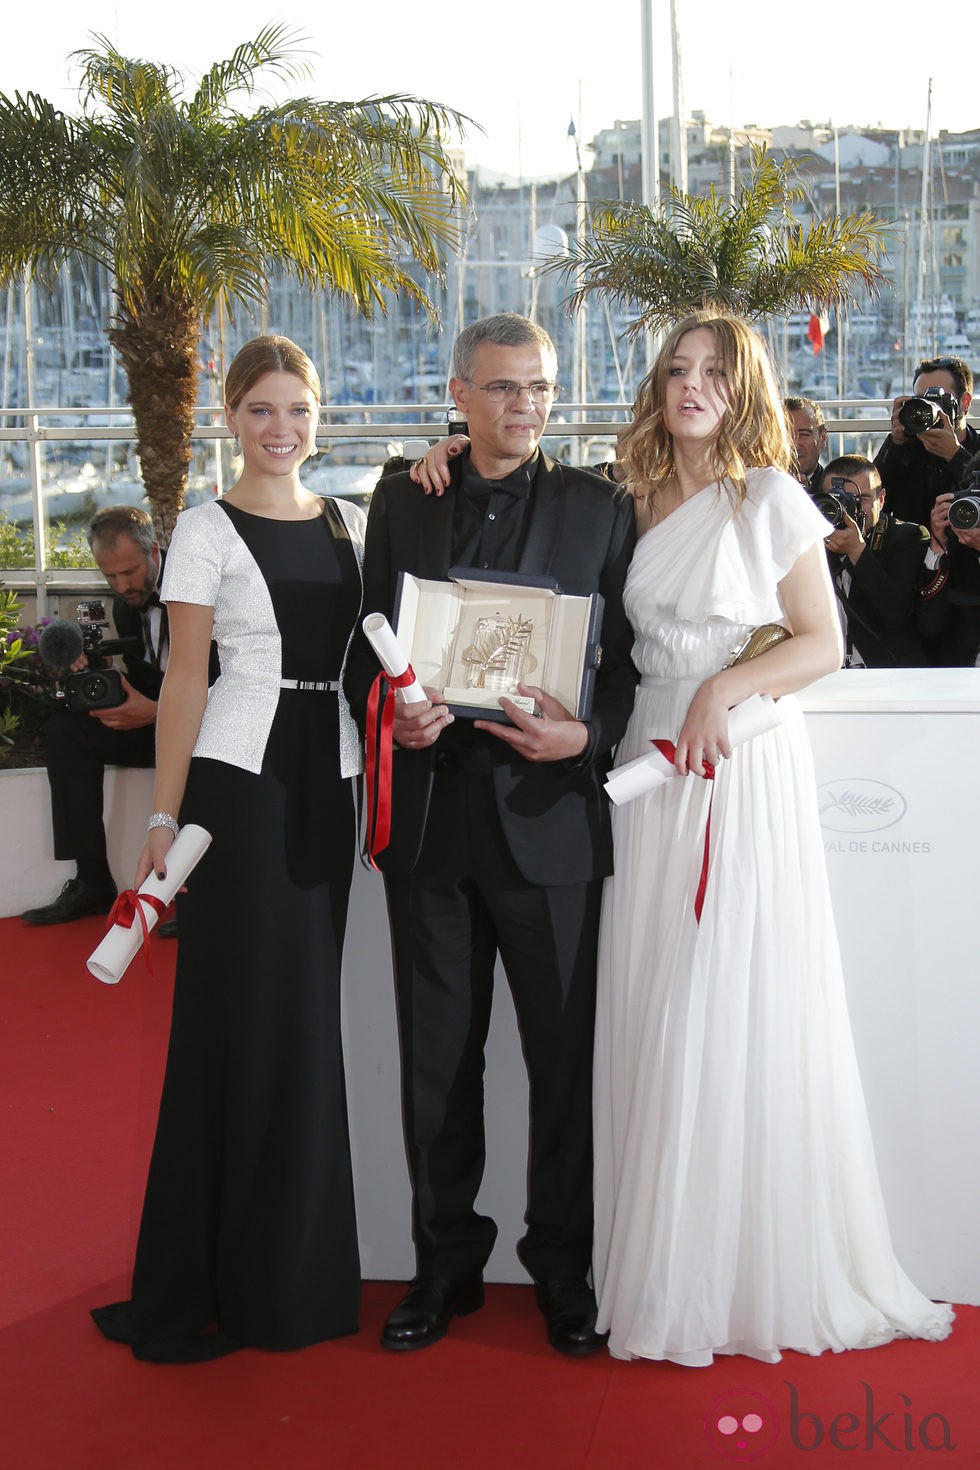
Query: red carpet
[[79, 1081]]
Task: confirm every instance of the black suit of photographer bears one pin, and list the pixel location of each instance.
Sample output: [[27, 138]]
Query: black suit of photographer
[[949, 607], [78, 747], [880, 602], [913, 477]]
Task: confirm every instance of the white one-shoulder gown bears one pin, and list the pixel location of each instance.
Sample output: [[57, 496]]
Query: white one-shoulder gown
[[737, 1201]]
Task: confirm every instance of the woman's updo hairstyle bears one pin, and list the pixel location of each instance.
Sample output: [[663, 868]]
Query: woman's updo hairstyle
[[268, 355]]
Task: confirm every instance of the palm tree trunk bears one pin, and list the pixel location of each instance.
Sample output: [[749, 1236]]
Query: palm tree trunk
[[158, 347]]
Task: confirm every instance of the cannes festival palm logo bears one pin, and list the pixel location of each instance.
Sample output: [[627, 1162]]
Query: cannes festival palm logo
[[859, 805]]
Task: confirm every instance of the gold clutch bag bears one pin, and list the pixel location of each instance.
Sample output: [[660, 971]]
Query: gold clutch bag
[[760, 640]]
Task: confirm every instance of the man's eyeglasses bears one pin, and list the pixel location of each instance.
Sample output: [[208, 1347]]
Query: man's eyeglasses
[[502, 390]]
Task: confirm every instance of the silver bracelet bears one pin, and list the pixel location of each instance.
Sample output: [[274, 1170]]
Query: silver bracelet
[[162, 819]]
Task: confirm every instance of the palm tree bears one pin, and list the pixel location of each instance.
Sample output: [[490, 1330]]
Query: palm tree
[[189, 202], [747, 255]]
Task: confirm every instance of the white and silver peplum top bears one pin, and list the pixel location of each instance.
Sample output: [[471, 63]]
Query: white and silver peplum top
[[208, 564]]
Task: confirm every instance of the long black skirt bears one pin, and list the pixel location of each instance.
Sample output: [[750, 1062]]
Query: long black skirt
[[248, 1235]]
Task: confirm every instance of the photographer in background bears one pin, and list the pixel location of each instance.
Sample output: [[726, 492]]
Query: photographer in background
[[949, 603], [809, 432], [80, 743], [930, 441], [876, 563]]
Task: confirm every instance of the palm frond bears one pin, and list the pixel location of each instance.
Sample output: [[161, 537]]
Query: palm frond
[[126, 87], [749, 255], [190, 201], [274, 50]]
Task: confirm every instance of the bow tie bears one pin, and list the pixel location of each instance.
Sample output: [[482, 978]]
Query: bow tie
[[517, 484]]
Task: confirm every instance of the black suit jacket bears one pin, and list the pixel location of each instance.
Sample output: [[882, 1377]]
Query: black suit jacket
[[579, 530], [128, 623], [881, 606], [913, 477], [949, 608]]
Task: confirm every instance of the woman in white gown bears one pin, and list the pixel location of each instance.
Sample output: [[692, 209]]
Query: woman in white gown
[[737, 1202]]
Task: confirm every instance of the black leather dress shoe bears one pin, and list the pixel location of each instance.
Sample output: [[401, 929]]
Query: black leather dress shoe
[[75, 901], [568, 1307], [422, 1316], [168, 929]]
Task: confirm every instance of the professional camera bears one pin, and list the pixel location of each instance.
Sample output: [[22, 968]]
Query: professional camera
[[62, 644], [838, 502], [964, 508], [917, 415], [96, 687]]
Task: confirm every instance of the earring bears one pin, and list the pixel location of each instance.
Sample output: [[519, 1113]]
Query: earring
[[236, 447]]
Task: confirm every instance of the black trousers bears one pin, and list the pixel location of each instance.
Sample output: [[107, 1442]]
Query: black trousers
[[465, 902], [78, 748]]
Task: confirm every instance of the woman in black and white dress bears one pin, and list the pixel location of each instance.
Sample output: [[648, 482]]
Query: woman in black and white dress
[[248, 1234]]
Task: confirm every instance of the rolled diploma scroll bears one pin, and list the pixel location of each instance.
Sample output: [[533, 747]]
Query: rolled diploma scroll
[[752, 717], [391, 656], [109, 962]]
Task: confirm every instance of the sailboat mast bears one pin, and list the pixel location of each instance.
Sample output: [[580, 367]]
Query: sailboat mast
[[920, 268], [649, 137], [678, 137]]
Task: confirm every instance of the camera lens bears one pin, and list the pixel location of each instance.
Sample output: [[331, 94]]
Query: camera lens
[[94, 688], [830, 507], [918, 414], [964, 513]]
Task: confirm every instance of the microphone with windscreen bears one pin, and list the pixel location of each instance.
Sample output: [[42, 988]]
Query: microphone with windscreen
[[62, 644]]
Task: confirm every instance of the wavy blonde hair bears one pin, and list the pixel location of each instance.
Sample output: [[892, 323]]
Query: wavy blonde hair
[[753, 431]]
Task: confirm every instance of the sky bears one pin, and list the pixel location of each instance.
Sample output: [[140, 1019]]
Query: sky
[[524, 72]]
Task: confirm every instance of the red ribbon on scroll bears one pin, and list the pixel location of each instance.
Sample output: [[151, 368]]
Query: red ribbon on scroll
[[377, 759], [669, 751], [129, 906]]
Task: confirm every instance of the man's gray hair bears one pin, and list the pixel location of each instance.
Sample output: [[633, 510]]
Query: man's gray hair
[[123, 520], [506, 329]]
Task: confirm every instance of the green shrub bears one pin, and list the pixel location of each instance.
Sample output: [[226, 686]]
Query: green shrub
[[66, 546]]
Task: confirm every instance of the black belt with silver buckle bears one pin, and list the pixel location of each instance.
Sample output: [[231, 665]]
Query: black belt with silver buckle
[[319, 686]]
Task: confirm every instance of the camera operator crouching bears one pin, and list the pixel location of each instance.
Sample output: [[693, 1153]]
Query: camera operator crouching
[[949, 602], [876, 563], [930, 442], [107, 717]]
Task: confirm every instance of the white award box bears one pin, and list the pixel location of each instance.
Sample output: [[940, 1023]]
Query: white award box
[[480, 634]]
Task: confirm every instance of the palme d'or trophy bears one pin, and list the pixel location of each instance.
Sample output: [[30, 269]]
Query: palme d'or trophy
[[499, 657]]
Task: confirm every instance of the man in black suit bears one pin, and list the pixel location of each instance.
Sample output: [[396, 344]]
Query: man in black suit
[[809, 431], [949, 600], [916, 468], [500, 842], [79, 745], [877, 569]]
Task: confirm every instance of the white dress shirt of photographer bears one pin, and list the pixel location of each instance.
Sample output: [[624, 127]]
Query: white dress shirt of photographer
[[877, 569], [916, 467]]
